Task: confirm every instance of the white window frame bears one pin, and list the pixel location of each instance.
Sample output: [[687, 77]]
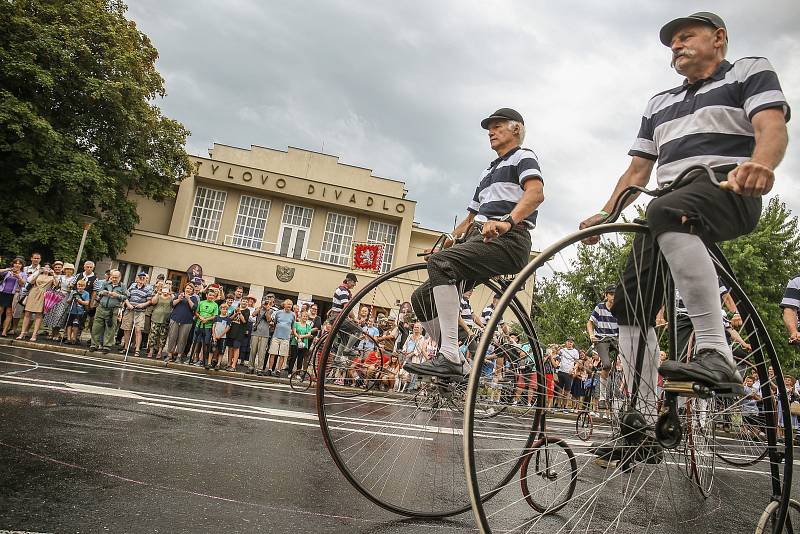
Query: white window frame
[[295, 227], [337, 244], [379, 232], [248, 231], [205, 219]]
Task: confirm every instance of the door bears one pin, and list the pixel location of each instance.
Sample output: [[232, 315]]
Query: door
[[295, 227]]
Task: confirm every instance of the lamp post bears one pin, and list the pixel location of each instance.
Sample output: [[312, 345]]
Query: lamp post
[[87, 222]]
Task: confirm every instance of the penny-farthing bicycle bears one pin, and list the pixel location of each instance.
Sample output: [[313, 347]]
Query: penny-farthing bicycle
[[661, 475], [403, 450]]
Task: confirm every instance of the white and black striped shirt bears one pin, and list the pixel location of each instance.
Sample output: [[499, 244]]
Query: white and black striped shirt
[[605, 324], [791, 298], [486, 314], [340, 299], [466, 312], [500, 188], [709, 121]]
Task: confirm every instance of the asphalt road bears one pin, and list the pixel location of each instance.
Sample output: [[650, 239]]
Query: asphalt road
[[89, 444]]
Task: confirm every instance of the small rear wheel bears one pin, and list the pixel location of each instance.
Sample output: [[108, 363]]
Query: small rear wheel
[[300, 381], [548, 475], [584, 425]]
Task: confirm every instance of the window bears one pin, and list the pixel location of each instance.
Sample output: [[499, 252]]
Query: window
[[296, 223], [206, 214], [337, 242], [250, 222], [128, 272], [387, 234]]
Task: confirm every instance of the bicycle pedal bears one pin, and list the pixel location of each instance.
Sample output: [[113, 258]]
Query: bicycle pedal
[[698, 389]]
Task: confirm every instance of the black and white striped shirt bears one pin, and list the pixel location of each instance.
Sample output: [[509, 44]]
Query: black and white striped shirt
[[341, 297], [709, 121], [791, 298], [486, 314], [500, 188], [466, 312]]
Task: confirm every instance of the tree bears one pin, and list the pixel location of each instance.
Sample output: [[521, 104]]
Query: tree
[[78, 130], [763, 262]]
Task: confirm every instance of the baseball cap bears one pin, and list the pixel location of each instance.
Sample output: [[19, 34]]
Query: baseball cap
[[703, 17], [505, 114], [142, 274], [351, 276]]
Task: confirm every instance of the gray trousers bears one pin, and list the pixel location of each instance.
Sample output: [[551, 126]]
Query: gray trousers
[[177, 337], [471, 263]]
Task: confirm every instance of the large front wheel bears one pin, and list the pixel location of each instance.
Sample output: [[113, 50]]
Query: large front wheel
[[398, 442]]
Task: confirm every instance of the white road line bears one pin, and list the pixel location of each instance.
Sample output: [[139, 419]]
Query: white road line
[[43, 367], [107, 367]]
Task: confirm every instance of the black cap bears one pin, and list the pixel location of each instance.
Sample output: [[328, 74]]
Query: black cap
[[502, 113], [703, 17], [610, 289], [351, 276]]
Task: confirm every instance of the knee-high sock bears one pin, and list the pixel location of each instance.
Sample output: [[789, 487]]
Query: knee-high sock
[[628, 345], [432, 329], [447, 306], [696, 280]]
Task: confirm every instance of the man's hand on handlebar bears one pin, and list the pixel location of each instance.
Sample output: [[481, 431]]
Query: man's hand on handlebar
[[750, 179], [594, 220]]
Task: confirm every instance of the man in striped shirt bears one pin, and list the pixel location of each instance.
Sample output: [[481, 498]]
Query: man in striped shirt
[[791, 306], [603, 331], [732, 117], [496, 239]]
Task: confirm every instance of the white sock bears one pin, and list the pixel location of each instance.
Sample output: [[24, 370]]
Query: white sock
[[696, 280], [628, 345], [432, 329], [448, 308]]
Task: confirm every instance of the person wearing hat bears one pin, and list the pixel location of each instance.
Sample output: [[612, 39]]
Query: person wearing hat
[[111, 294], [494, 239], [731, 117], [140, 293], [603, 332]]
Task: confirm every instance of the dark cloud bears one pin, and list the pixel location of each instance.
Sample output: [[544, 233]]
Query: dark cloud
[[400, 87]]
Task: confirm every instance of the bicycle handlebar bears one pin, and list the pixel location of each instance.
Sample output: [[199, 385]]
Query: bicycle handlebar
[[684, 176]]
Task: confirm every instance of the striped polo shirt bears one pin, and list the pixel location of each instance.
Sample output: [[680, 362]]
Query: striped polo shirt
[[791, 298], [500, 188], [139, 295], [709, 121], [466, 312], [341, 297], [486, 314], [605, 324]]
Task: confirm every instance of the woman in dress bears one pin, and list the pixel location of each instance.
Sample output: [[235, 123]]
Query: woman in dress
[[40, 282], [55, 319], [12, 280]]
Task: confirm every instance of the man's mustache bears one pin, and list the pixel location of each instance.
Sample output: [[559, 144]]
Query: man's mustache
[[686, 52]]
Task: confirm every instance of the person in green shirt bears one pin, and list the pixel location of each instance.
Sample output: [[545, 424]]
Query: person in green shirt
[[301, 342], [204, 317]]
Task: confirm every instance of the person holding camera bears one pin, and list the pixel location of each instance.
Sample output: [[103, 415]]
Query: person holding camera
[[39, 282], [180, 323], [111, 295]]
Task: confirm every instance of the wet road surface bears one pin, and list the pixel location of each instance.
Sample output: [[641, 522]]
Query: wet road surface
[[89, 444]]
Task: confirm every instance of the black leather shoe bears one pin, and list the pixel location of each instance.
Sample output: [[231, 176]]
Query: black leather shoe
[[709, 367], [439, 366]]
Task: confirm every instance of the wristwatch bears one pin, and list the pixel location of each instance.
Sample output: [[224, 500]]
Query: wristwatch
[[507, 218]]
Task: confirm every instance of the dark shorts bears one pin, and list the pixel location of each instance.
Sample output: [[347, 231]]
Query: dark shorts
[[564, 381], [712, 214], [472, 263], [233, 343], [219, 345], [202, 335], [76, 320], [6, 299]]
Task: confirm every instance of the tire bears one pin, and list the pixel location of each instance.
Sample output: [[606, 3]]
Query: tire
[[402, 451], [649, 486], [768, 522], [583, 425], [546, 461], [300, 381]]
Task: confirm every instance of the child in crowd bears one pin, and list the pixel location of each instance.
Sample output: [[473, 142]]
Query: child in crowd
[[78, 300], [207, 309], [219, 332]]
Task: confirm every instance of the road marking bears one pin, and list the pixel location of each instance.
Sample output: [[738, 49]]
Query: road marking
[[36, 366], [105, 367]]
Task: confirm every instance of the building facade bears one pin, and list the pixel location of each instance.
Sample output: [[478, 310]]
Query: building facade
[[274, 221]]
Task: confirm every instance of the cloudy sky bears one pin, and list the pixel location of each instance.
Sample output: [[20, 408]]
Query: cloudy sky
[[401, 86]]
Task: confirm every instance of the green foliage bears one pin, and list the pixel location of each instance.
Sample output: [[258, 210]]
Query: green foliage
[[78, 130], [763, 262]]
